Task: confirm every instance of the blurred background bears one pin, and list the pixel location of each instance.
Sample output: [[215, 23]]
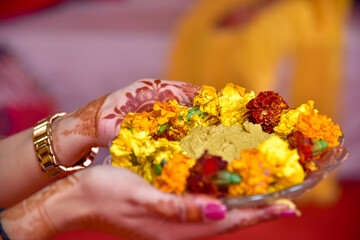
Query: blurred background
[[58, 55]]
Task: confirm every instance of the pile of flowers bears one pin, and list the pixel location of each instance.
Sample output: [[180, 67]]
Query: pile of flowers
[[148, 143]]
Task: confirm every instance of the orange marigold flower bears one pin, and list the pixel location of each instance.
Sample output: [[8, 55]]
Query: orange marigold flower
[[174, 174], [171, 119], [255, 171], [164, 112], [319, 127], [289, 118], [178, 129], [141, 121]]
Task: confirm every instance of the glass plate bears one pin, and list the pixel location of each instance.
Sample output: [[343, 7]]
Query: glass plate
[[328, 161]]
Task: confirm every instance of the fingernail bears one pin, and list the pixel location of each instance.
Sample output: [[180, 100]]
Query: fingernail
[[214, 211], [288, 214]]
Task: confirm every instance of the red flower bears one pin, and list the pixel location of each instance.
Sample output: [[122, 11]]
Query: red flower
[[201, 179], [304, 147], [266, 110], [164, 134]]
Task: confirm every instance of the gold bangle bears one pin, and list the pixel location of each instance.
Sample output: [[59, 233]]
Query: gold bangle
[[44, 149]]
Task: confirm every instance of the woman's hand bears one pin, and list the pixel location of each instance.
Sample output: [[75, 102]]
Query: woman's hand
[[75, 134], [98, 122], [117, 201], [139, 97]]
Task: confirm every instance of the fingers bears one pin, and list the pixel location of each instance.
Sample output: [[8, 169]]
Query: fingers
[[235, 220], [196, 208], [186, 208], [241, 218]]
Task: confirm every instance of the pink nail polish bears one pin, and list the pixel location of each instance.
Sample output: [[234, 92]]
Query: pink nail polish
[[214, 211], [287, 214]]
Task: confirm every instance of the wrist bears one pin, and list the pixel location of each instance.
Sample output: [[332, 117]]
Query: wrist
[[55, 209], [69, 144], [68, 209], [47, 213]]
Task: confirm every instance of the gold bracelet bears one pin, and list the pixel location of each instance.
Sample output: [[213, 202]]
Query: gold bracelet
[[44, 149]]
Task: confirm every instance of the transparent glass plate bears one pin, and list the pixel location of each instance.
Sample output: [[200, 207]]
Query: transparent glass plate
[[328, 161]]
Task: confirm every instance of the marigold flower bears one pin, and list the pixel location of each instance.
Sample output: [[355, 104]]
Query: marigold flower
[[142, 121], [289, 118], [164, 150], [148, 143], [178, 129], [174, 174], [286, 167], [130, 150], [266, 109], [164, 112], [304, 146], [171, 118], [255, 171], [202, 120], [181, 111], [202, 175], [232, 104], [136, 151], [319, 127], [208, 100]]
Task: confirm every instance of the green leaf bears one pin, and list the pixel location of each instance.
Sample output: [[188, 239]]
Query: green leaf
[[193, 111], [157, 169], [319, 146], [225, 178], [162, 128]]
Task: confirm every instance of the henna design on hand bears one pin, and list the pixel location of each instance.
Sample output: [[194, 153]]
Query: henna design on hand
[[88, 116], [153, 91], [30, 229], [31, 215]]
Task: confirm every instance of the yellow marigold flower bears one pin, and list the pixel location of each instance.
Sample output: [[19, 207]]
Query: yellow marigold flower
[[130, 149], [209, 120], [255, 172], [232, 104], [286, 167], [141, 121], [208, 100], [181, 111], [174, 174], [289, 118], [319, 127], [136, 151], [165, 149]]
